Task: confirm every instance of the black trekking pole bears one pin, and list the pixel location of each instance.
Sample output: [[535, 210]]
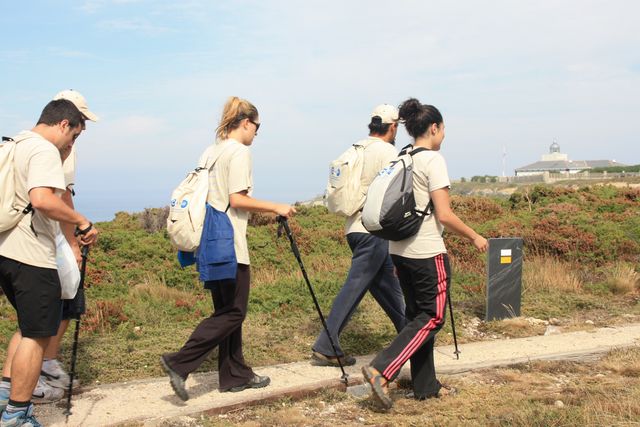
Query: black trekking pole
[[453, 328], [74, 352], [294, 248]]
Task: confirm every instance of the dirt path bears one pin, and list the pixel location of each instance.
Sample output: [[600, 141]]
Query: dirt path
[[152, 402]]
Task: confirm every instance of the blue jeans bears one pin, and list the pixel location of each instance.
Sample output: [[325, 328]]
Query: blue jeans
[[371, 270]]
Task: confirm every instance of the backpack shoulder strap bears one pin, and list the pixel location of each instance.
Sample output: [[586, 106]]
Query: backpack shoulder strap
[[404, 149], [363, 143], [418, 150], [209, 164]]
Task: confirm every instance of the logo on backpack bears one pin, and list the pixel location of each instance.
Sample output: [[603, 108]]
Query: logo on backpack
[[186, 220], [10, 213], [390, 209], [345, 194]]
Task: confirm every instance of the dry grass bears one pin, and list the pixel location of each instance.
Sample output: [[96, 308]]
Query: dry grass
[[103, 316], [625, 362], [624, 279], [534, 394], [517, 327], [316, 267], [269, 274], [155, 288], [549, 273]]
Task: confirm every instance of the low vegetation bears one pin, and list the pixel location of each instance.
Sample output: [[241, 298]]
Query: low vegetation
[[581, 264]]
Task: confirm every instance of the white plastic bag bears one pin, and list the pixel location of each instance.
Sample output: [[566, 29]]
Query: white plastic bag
[[68, 270]]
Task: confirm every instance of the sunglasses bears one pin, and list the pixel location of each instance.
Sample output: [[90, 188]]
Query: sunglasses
[[257, 125]]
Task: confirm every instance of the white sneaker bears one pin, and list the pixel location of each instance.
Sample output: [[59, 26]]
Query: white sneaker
[[44, 393], [55, 376]]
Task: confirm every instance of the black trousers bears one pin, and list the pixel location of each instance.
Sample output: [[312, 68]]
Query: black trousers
[[425, 283], [223, 329]]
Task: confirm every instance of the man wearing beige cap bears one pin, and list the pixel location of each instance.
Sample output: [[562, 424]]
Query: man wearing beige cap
[[28, 269], [54, 380], [371, 267]]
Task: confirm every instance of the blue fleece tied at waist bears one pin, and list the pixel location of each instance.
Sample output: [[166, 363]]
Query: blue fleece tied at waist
[[216, 256]]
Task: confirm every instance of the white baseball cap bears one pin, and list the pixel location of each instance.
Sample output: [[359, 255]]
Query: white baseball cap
[[79, 101], [388, 113]]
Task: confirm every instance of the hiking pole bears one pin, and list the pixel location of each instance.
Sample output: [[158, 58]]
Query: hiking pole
[[74, 352], [294, 248], [453, 328]]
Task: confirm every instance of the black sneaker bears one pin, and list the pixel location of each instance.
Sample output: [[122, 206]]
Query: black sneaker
[[177, 382], [258, 381]]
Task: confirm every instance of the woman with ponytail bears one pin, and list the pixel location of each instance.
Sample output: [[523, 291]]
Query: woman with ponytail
[[422, 264], [230, 187]]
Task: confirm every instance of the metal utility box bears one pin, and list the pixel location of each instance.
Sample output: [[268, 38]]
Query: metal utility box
[[504, 278]]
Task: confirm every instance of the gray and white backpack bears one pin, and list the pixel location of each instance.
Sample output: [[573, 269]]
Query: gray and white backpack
[[390, 210]]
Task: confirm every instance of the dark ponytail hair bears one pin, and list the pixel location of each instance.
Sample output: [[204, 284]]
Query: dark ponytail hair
[[418, 117]]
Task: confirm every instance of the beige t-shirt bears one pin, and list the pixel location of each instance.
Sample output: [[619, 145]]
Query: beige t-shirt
[[37, 164], [232, 173], [429, 174], [376, 156], [69, 169]]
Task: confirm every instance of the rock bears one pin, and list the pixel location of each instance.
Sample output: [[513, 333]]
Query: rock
[[558, 404], [552, 330], [589, 322], [554, 321], [360, 390], [329, 410], [534, 321]]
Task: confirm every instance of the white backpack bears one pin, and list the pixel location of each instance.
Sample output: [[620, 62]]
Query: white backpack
[[345, 194], [10, 214], [188, 207]]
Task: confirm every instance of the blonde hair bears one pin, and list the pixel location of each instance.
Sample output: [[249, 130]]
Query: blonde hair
[[235, 110]]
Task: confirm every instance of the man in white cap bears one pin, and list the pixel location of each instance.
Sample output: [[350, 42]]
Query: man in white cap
[[54, 380], [371, 267], [28, 269]]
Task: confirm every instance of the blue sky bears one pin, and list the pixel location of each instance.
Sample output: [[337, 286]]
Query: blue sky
[[504, 74]]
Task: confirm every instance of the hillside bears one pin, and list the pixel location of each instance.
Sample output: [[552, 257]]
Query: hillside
[[581, 264]]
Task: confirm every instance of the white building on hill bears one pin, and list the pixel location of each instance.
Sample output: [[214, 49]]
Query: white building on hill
[[556, 162]]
